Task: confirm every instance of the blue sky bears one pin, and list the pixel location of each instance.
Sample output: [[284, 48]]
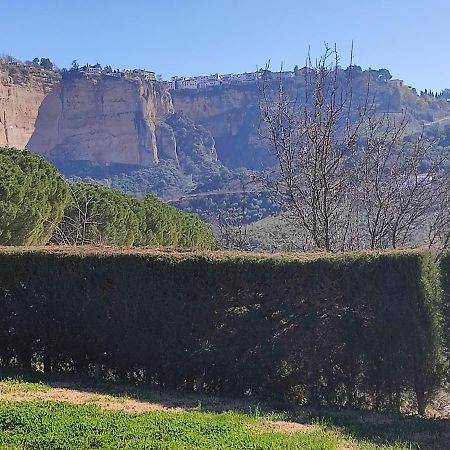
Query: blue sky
[[192, 37]]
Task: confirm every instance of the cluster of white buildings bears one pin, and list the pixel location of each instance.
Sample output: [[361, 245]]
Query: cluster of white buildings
[[178, 82], [205, 81], [127, 73]]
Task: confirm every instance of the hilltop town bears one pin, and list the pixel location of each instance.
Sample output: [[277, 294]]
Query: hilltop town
[[194, 82], [43, 66]]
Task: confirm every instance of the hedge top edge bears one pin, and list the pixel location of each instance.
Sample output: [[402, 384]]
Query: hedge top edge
[[102, 250]]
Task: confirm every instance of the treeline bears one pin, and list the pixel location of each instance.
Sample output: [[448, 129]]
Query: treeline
[[38, 206], [357, 329]]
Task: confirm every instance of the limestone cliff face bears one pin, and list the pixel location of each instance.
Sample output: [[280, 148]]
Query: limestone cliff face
[[22, 91], [102, 119], [231, 115], [109, 120]]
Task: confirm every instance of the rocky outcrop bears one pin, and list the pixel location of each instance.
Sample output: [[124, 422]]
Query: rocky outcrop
[[231, 115], [113, 120], [195, 146], [22, 90], [102, 119]]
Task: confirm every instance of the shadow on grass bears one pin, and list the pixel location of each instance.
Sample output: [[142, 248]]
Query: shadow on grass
[[380, 429], [166, 398]]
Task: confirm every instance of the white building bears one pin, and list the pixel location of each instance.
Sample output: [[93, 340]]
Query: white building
[[215, 80], [396, 83], [201, 82], [91, 70], [145, 74], [184, 83], [249, 77]]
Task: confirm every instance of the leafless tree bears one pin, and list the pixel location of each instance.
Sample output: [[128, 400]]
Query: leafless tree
[[438, 233], [350, 177], [74, 229], [397, 179], [314, 140], [232, 223]]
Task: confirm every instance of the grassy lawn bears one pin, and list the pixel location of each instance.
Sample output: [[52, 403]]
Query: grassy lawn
[[17, 385], [31, 418], [55, 425]]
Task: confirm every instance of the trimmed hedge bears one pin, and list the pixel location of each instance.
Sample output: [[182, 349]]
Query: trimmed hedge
[[445, 271], [357, 329]]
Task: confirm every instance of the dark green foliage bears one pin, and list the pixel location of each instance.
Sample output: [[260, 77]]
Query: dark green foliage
[[165, 180], [32, 198], [445, 273], [98, 214], [355, 329], [162, 224]]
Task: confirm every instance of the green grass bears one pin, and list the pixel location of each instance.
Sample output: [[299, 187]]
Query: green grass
[[42, 425], [46, 425], [410, 432], [16, 384]]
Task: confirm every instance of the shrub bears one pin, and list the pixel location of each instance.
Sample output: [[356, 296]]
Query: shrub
[[355, 329], [162, 224], [32, 198], [97, 214]]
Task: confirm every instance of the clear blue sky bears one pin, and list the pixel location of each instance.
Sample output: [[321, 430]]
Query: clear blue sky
[[192, 37]]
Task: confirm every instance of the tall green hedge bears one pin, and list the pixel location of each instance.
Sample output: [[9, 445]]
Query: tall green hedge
[[445, 272], [32, 198], [356, 329]]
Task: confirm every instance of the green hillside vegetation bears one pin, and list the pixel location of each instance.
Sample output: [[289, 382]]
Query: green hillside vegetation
[[37, 205], [97, 214], [32, 198]]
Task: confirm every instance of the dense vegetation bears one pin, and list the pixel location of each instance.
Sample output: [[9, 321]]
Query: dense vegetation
[[97, 214], [353, 329], [445, 269], [37, 204], [32, 198], [162, 224]]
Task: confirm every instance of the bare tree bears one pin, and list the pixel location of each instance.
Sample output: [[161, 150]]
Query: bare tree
[[350, 177], [438, 233], [397, 179], [314, 141], [75, 229], [232, 223]]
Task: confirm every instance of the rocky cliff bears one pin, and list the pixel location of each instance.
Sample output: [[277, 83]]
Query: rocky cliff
[[109, 120], [22, 90], [231, 115], [105, 120]]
